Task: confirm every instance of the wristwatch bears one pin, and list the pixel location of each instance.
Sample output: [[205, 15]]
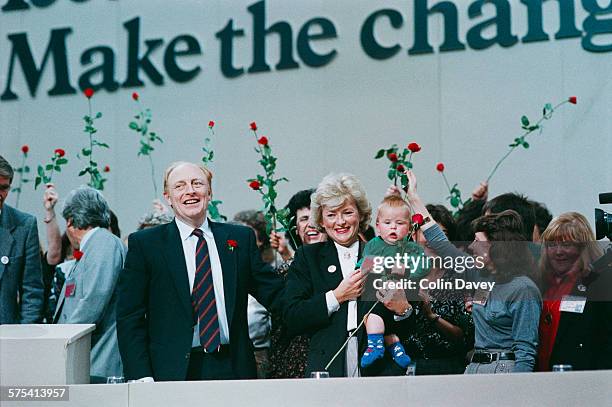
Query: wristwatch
[[406, 312]]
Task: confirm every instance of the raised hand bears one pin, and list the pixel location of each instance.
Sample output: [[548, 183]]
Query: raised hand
[[351, 287]]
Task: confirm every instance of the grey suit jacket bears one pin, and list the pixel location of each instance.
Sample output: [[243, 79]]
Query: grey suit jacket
[[21, 285], [94, 300]]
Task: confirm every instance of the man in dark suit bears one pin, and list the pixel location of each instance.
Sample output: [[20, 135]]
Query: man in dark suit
[[182, 312], [21, 286]]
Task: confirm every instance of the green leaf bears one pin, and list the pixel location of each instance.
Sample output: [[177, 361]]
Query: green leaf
[[391, 174], [454, 201], [134, 126], [101, 144], [61, 161], [524, 121], [83, 172], [379, 154], [25, 180], [86, 152], [57, 168], [26, 169], [48, 167], [37, 182], [98, 115], [525, 144]]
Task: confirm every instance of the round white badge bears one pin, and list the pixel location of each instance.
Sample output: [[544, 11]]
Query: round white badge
[[331, 268], [4, 260], [581, 287]]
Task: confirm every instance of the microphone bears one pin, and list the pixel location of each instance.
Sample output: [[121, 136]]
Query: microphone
[[605, 198]]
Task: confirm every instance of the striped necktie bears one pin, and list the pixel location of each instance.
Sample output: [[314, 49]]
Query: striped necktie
[[203, 297]]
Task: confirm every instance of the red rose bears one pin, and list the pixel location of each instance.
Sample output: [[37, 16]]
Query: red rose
[[573, 100], [440, 167], [263, 140], [232, 243], [417, 218], [60, 152], [253, 126], [211, 124], [25, 148], [401, 168], [255, 185], [414, 147], [89, 92], [392, 157], [106, 168], [77, 254], [135, 96]]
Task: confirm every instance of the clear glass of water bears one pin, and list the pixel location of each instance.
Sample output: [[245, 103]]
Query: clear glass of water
[[411, 369], [115, 379], [319, 375], [562, 368]]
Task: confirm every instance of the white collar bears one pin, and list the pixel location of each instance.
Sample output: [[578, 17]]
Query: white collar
[[186, 231], [352, 250], [87, 236]]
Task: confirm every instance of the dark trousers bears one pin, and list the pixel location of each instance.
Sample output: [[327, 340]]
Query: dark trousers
[[210, 366]]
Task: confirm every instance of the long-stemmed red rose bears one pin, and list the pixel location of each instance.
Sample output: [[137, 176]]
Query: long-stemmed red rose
[[547, 112], [399, 161], [45, 173], [454, 194], [96, 180], [147, 137], [21, 173], [266, 184], [213, 206]]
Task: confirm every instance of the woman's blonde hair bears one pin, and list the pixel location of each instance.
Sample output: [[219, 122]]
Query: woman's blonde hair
[[571, 227], [333, 192]]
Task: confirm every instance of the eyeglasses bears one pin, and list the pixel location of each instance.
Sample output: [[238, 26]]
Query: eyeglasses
[[196, 184]]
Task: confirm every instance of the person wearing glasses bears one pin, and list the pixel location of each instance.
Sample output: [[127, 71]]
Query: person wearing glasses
[[182, 312]]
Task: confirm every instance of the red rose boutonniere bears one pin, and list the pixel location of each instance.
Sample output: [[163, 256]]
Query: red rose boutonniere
[[77, 254], [232, 244]]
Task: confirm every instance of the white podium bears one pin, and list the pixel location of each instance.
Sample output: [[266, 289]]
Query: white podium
[[45, 354]]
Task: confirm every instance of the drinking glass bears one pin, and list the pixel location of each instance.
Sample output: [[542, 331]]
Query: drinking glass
[[319, 375], [562, 368]]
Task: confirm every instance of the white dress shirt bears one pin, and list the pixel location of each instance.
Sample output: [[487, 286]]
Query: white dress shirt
[[348, 260], [189, 242]]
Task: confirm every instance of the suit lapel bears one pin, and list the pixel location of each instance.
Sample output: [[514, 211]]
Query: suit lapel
[[228, 267], [7, 241], [175, 257], [566, 319]]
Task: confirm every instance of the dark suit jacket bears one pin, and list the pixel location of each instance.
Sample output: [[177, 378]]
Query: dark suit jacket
[[585, 340], [155, 317], [306, 308], [21, 277]]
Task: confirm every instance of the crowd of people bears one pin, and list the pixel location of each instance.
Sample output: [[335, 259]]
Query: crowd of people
[[187, 298]]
